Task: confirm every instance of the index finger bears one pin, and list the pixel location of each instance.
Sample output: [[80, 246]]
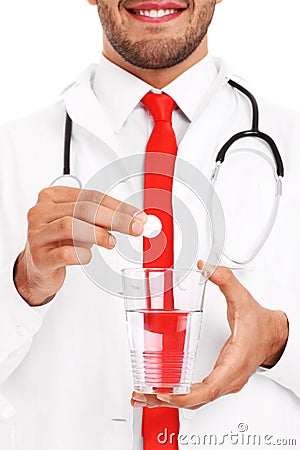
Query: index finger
[[63, 194]]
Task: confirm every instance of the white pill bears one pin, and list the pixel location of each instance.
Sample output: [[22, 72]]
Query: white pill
[[152, 227]]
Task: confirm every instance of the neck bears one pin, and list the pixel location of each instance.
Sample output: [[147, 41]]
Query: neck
[[157, 78]]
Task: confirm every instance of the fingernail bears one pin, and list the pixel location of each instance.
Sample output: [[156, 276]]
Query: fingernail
[[139, 397], [137, 227], [164, 398], [141, 215], [112, 240], [139, 405]]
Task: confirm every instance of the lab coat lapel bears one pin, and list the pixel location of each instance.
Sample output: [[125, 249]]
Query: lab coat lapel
[[199, 144], [85, 109], [199, 149], [206, 134], [192, 190]]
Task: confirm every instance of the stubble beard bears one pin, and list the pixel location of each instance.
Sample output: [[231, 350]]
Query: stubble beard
[[155, 54]]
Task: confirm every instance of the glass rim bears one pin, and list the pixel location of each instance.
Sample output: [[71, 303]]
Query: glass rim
[[162, 269]]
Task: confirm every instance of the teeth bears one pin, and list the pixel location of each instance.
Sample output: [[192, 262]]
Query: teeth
[[154, 13]]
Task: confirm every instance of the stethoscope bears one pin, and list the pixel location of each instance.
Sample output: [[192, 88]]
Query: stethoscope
[[67, 179]]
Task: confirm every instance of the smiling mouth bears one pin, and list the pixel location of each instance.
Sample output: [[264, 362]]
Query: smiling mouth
[[155, 11]]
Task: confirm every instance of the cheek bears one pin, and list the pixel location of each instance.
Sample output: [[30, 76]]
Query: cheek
[[109, 13]]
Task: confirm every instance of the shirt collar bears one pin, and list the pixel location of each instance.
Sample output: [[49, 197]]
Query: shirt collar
[[190, 87], [120, 91]]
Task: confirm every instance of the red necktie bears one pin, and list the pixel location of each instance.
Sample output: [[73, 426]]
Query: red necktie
[[159, 251]]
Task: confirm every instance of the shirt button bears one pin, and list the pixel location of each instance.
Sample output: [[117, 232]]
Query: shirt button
[[21, 331]]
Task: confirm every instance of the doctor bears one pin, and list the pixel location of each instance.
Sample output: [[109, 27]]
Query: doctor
[[64, 363]]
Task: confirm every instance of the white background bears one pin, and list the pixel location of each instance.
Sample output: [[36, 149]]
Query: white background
[[45, 44]]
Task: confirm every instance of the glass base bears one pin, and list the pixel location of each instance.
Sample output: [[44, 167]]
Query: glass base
[[179, 389]]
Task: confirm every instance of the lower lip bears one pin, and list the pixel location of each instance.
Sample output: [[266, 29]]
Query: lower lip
[[162, 19]]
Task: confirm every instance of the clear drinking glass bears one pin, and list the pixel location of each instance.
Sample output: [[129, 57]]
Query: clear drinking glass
[[164, 310]]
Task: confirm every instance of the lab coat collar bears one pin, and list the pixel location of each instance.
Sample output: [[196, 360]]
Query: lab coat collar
[[85, 109]]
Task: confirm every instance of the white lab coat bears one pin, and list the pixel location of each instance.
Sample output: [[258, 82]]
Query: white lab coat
[[65, 367]]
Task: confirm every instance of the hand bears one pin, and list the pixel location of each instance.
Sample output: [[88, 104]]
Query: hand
[[62, 228], [258, 338]]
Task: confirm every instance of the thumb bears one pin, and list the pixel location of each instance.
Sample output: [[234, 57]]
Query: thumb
[[227, 282]]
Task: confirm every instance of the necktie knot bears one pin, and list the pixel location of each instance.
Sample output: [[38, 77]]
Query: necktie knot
[[160, 106]]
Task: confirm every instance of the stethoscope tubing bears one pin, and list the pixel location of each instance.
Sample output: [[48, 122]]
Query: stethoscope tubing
[[253, 132], [67, 144]]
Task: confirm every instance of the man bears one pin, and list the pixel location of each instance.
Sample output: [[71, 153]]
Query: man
[[63, 351]]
